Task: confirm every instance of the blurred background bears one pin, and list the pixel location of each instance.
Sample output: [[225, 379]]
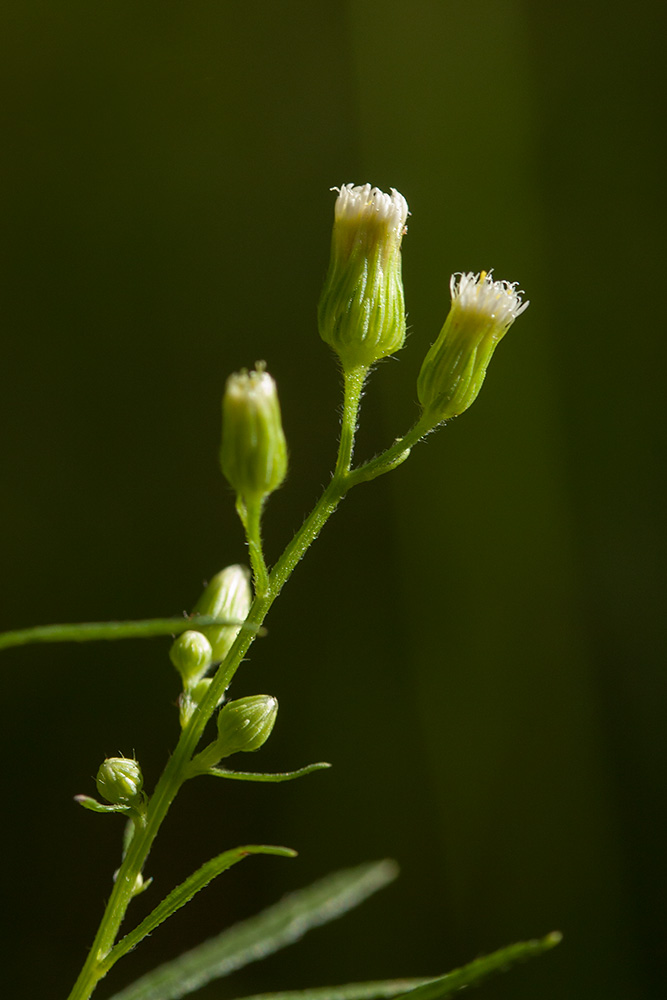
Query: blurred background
[[476, 641]]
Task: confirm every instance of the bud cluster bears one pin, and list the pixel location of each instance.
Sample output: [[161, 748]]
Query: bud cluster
[[228, 596]]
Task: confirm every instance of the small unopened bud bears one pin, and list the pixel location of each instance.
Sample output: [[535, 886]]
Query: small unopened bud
[[481, 313], [253, 453], [362, 308], [120, 781], [245, 724], [192, 655], [228, 595]]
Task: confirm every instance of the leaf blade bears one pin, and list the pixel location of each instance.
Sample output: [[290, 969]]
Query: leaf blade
[[184, 892], [280, 925], [147, 628], [474, 972], [221, 772], [380, 990], [441, 987]]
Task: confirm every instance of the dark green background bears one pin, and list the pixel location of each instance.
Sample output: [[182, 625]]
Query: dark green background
[[476, 641]]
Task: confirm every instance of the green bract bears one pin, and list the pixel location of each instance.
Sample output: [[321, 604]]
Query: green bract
[[481, 313], [253, 453], [362, 309]]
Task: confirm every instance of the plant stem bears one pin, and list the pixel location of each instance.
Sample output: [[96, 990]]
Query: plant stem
[[268, 585], [354, 384], [392, 457], [251, 524]]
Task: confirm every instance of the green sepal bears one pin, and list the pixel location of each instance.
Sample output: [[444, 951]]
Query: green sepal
[[89, 803], [184, 892], [221, 772]]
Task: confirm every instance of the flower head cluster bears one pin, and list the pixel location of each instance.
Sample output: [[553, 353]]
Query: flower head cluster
[[481, 313], [362, 310]]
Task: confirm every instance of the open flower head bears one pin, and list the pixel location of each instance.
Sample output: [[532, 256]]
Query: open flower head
[[362, 310], [481, 313]]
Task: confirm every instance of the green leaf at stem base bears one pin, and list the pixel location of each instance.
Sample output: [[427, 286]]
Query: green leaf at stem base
[[282, 924], [184, 892]]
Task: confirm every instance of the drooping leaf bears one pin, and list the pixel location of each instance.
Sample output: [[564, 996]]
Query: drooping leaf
[[474, 972], [184, 892], [221, 772], [385, 989], [280, 925], [423, 989], [95, 631]]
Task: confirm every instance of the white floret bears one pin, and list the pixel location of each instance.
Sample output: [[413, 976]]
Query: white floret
[[479, 293], [365, 203]]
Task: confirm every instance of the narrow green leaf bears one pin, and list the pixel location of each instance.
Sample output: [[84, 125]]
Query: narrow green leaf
[[423, 989], [221, 772], [474, 972], [184, 892], [282, 924], [382, 990], [94, 631], [89, 803]]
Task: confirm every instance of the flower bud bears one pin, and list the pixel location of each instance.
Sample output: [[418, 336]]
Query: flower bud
[[228, 595], [362, 309], [481, 313], [253, 453], [245, 724], [192, 655], [120, 781]]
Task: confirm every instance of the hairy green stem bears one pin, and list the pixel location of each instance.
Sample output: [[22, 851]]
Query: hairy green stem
[[354, 384], [252, 526], [394, 456], [268, 585]]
